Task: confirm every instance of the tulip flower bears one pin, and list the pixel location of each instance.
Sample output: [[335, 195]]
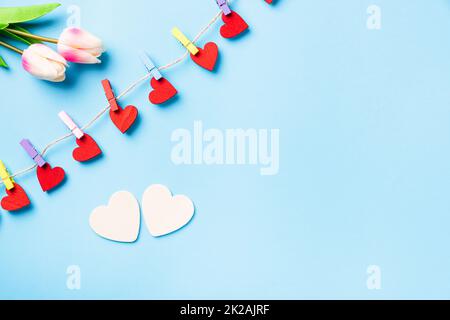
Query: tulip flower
[[79, 46], [14, 16], [74, 44], [44, 63]]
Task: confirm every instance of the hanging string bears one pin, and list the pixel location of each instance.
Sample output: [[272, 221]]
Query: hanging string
[[128, 90]]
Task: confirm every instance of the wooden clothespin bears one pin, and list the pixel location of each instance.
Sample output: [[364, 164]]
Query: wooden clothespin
[[32, 152], [185, 41], [110, 95], [77, 132], [150, 65], [223, 5], [123, 119], [5, 177]]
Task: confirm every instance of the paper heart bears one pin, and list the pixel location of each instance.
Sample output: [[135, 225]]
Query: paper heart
[[123, 119], [87, 149], [165, 213], [207, 57], [234, 25], [49, 178], [16, 199], [120, 220], [163, 91]]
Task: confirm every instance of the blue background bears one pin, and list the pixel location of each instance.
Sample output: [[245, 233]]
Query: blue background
[[365, 161]]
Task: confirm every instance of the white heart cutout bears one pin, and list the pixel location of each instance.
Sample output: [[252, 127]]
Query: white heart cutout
[[164, 213], [119, 221]]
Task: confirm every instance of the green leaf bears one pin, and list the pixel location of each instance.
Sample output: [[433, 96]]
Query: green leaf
[[3, 25], [22, 14], [3, 63]]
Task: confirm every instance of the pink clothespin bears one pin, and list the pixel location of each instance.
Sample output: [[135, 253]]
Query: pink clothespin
[[223, 4], [77, 132], [32, 152]]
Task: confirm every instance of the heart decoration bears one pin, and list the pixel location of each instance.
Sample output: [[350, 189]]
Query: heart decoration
[[16, 199], [123, 119], [165, 213], [120, 220], [163, 91], [234, 25], [207, 57], [49, 178], [87, 149]]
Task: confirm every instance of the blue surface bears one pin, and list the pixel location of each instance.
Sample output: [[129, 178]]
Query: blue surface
[[365, 156]]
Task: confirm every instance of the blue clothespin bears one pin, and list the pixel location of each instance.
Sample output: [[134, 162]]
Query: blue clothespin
[[150, 65], [223, 4]]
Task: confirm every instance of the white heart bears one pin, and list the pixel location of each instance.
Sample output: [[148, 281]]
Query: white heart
[[164, 213], [119, 221]]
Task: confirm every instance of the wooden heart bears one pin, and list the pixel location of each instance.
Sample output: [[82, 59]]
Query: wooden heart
[[123, 119], [165, 213], [49, 178], [163, 91], [16, 199], [207, 57], [234, 25], [87, 149], [120, 220]]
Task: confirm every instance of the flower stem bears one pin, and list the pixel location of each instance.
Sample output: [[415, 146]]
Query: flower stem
[[4, 44], [32, 36]]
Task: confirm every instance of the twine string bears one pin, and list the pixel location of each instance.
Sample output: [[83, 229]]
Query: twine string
[[128, 90]]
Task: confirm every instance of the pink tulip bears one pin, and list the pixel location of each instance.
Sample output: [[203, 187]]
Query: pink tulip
[[79, 46], [44, 63]]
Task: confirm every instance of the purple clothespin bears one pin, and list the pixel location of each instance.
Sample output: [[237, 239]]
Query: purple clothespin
[[223, 4], [32, 152]]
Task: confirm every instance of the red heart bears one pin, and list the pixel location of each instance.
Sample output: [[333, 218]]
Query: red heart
[[88, 149], [207, 57], [50, 178], [16, 199], [163, 91], [123, 119], [234, 25]]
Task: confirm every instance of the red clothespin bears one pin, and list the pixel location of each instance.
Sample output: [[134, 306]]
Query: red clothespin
[[110, 95]]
